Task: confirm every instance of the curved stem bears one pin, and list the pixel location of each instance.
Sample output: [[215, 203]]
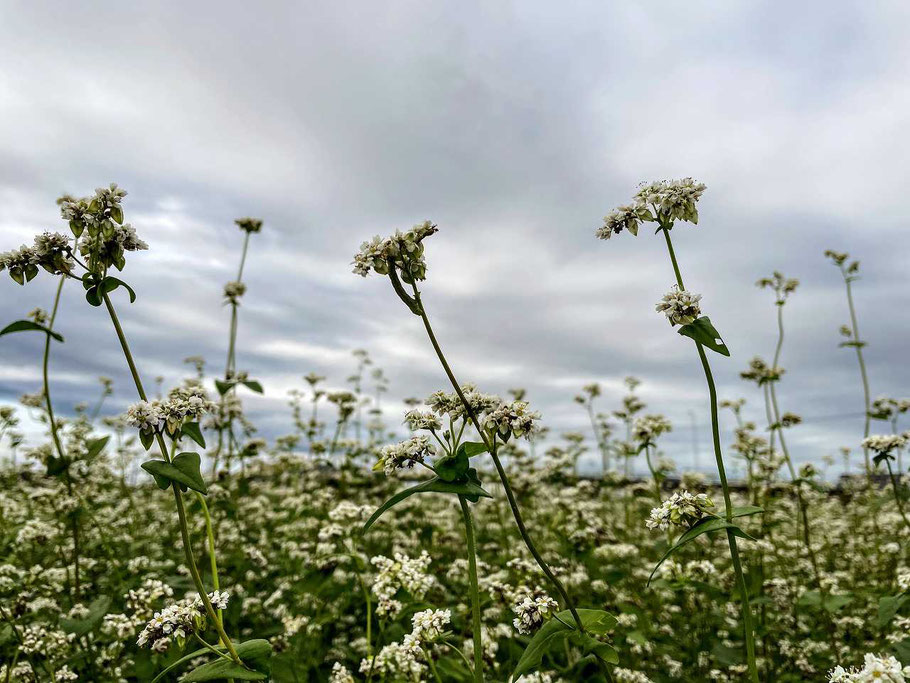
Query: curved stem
[[862, 369], [178, 498], [58, 444], [477, 633], [500, 470], [210, 535]]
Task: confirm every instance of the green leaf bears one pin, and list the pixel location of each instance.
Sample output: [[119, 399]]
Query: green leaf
[[28, 326], [472, 448], [93, 296], [117, 214], [147, 439], [183, 470], [90, 621], [831, 603], [888, 607], [434, 485], [191, 430], [702, 331], [453, 467], [223, 386], [562, 626], [704, 526], [57, 466], [253, 385], [255, 655], [111, 283], [95, 446]]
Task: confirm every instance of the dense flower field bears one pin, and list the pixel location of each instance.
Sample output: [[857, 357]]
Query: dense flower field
[[172, 542]]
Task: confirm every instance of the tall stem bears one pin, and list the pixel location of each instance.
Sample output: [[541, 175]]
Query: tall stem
[[500, 470], [178, 498], [210, 535], [721, 471], [862, 370], [476, 634], [58, 445]]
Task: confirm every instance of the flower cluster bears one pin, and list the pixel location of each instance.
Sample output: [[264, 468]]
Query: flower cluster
[[402, 251], [875, 668], [430, 624], [647, 428], [400, 572], [680, 306], [760, 372], [663, 202], [178, 622], [532, 611], [782, 286], [418, 419], [184, 404], [234, 290], [249, 225], [884, 443], [512, 419], [404, 455], [682, 509]]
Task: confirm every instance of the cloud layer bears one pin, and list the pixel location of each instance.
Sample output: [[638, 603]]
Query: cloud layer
[[515, 127]]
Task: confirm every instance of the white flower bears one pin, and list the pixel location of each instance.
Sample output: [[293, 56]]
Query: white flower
[[680, 306], [512, 419], [648, 427], [430, 624], [531, 612], [884, 443], [673, 199], [404, 455], [682, 509], [404, 250], [623, 218], [144, 416], [876, 669]]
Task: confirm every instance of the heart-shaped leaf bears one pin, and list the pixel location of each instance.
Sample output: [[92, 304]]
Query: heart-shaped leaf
[[255, 656], [182, 470], [702, 331], [553, 633], [95, 446], [191, 430]]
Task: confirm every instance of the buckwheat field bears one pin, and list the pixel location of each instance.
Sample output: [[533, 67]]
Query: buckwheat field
[[677, 507]]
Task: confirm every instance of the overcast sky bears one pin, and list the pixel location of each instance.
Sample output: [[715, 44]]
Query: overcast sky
[[515, 127]]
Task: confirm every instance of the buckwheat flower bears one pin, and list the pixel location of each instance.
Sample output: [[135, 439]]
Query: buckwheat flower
[[512, 419], [648, 427], [175, 622], [403, 251], [430, 624], [340, 674], [903, 580], [52, 251], [418, 419], [249, 225], [65, 674], [682, 509], [790, 420], [185, 404], [108, 197], [838, 257], [404, 455], [883, 444], [531, 612], [38, 315], [144, 416], [672, 199], [22, 264], [875, 668], [622, 218], [680, 306], [233, 291]]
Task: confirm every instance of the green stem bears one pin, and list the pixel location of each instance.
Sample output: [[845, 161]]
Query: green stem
[[862, 370], [477, 633], [500, 470], [210, 534], [58, 445], [429, 658], [721, 471], [178, 498], [897, 493]]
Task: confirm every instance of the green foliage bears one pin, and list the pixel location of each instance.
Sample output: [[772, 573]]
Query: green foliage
[[29, 326], [183, 470], [705, 334], [562, 626]]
